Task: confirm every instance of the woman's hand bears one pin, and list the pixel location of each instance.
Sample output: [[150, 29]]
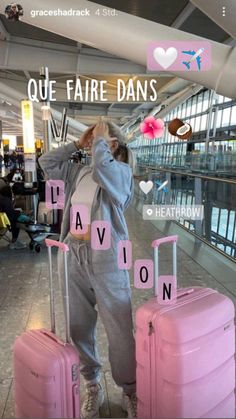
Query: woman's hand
[[101, 130], [86, 138]]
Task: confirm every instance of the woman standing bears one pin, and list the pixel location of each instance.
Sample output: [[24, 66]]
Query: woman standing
[[105, 187]]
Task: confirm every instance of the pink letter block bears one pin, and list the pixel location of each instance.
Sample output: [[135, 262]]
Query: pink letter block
[[101, 235], [124, 254], [167, 287], [79, 219], [143, 273], [55, 196]]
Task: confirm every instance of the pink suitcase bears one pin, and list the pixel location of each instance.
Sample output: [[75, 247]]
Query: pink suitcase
[[46, 369], [185, 354]]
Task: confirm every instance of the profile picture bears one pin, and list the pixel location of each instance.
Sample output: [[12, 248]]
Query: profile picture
[[14, 11]]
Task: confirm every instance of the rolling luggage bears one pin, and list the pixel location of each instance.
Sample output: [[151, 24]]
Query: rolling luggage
[[185, 354], [46, 215], [46, 369]]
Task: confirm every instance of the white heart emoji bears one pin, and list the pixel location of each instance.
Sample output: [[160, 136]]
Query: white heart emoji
[[165, 58], [146, 186]]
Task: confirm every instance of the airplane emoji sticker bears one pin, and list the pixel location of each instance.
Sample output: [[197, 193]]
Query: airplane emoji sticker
[[195, 56]]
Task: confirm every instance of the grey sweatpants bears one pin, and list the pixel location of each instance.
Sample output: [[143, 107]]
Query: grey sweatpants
[[111, 292]]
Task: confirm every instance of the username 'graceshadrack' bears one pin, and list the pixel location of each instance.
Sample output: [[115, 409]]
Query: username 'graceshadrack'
[[60, 12]]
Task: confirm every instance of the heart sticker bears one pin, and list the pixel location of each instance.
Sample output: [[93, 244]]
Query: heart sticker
[[146, 186], [165, 58]]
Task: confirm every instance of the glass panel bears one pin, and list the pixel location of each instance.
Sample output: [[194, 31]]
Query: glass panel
[[188, 110], [219, 116], [220, 99], [184, 110], [203, 123], [226, 116], [194, 106], [233, 116], [199, 103], [197, 123], [206, 100], [192, 123]]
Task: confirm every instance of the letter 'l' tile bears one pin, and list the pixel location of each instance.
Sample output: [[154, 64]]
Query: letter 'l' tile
[[55, 196]]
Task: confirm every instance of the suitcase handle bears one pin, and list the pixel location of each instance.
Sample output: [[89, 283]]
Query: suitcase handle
[[53, 337], [51, 243], [183, 293], [62, 246], [169, 239], [155, 245]]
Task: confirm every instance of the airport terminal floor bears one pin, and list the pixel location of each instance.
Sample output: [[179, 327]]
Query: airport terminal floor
[[24, 287]]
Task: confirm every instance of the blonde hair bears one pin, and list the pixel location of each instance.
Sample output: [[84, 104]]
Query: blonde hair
[[115, 131], [123, 150]]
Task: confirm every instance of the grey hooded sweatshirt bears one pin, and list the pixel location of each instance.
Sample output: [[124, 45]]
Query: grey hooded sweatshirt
[[112, 197]]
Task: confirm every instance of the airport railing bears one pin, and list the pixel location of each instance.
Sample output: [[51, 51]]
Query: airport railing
[[217, 195], [222, 163]]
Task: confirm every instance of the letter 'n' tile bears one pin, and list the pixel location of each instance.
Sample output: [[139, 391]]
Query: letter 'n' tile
[[167, 288]]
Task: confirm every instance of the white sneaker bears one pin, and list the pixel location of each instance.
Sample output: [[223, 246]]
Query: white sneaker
[[17, 245], [93, 400], [129, 404]]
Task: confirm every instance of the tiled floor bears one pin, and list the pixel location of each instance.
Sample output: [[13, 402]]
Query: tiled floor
[[24, 303]]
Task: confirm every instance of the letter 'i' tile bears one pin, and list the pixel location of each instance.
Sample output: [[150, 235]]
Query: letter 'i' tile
[[55, 196], [143, 273], [124, 255], [101, 235]]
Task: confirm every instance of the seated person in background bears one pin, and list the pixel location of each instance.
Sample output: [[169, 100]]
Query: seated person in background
[[6, 205]]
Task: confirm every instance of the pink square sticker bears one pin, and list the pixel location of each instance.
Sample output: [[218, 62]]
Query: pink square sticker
[[143, 273], [167, 289], [79, 219], [124, 254], [101, 235], [179, 56], [55, 196]]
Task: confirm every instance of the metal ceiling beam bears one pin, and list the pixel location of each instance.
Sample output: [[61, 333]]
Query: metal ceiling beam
[[19, 54], [214, 8], [127, 36], [27, 74], [4, 34], [183, 16], [15, 98], [230, 41]]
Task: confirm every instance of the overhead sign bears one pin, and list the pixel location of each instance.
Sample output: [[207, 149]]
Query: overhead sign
[[28, 126]]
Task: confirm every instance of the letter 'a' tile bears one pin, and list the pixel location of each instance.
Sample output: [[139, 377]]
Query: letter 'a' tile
[[79, 219]]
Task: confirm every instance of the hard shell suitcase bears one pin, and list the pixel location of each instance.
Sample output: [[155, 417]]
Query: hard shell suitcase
[[46, 369], [185, 354]]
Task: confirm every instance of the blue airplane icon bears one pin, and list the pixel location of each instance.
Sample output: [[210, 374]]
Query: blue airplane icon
[[161, 185], [195, 56]]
